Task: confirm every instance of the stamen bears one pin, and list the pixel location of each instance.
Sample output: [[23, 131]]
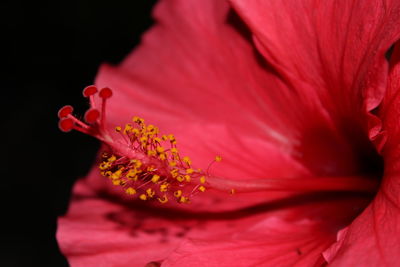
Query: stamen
[[143, 163], [306, 184], [149, 167]]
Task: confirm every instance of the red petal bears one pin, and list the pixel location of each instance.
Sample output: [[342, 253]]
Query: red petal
[[99, 231], [336, 47], [101, 228], [331, 51], [196, 76], [289, 237], [372, 239], [196, 73]]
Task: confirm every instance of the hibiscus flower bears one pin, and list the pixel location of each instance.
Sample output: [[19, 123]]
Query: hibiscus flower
[[300, 100]]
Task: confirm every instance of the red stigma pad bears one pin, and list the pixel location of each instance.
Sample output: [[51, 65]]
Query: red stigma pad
[[92, 115], [89, 90], [105, 93], [65, 111], [66, 124]]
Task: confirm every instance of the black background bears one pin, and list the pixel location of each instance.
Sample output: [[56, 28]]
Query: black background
[[51, 51]]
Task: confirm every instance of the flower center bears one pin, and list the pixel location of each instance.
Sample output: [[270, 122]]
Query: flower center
[[142, 162]]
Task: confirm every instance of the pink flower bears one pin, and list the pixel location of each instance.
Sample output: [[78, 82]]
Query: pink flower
[[302, 105]]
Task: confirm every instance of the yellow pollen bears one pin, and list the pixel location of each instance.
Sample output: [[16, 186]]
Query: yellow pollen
[[117, 174], [135, 131], [155, 166], [130, 191], [163, 200], [128, 128], [187, 160], [138, 120], [151, 169], [172, 163], [155, 178], [150, 192], [174, 173], [187, 178], [131, 174], [183, 199], [178, 193], [151, 153], [137, 163], [164, 187], [116, 182], [104, 165], [160, 149]]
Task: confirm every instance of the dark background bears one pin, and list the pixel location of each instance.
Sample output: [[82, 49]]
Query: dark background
[[51, 51]]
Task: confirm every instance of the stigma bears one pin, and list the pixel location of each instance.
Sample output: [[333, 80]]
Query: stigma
[[145, 164]]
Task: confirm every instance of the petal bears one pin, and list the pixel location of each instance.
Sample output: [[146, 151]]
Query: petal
[[101, 228], [333, 52], [289, 237], [198, 75], [331, 46], [372, 239], [302, 248], [195, 75], [93, 233]]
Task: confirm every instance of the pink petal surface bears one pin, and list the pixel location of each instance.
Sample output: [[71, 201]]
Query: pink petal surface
[[332, 52], [330, 46], [372, 239], [104, 230], [293, 236], [99, 232], [189, 80]]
